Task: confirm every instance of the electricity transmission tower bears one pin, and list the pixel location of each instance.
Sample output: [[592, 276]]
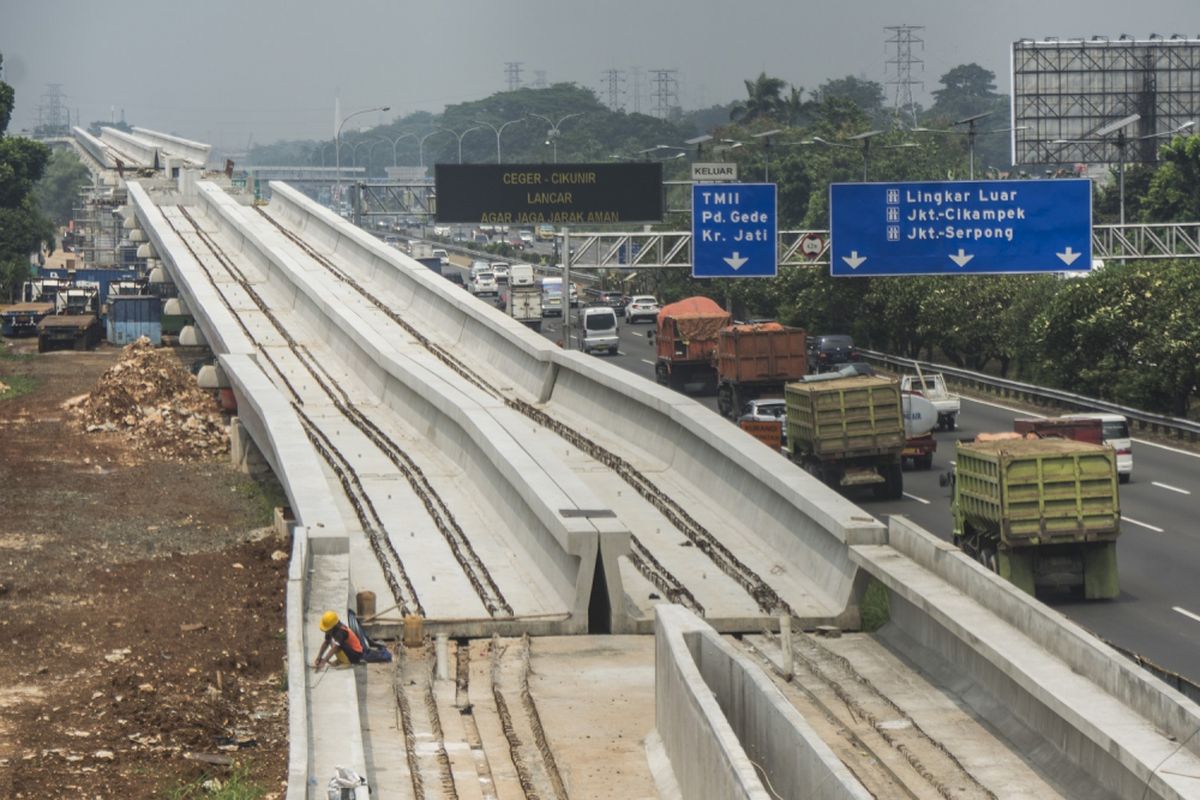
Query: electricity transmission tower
[[901, 64], [666, 91], [512, 73], [614, 80], [54, 119]]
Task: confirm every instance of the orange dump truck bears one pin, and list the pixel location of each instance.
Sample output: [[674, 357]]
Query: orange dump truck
[[686, 337], [755, 361]]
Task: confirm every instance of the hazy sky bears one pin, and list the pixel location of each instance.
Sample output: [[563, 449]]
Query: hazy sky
[[222, 71]]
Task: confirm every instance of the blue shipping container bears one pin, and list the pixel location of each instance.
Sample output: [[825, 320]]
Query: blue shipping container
[[134, 316]]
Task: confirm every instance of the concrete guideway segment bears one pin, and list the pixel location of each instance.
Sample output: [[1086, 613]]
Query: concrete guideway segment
[[534, 371], [714, 707], [195, 154], [564, 547], [1112, 720], [134, 150]]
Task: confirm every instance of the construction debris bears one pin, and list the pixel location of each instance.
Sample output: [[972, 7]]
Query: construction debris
[[156, 401]]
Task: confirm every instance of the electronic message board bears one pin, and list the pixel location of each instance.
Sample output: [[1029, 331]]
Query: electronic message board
[[555, 194]]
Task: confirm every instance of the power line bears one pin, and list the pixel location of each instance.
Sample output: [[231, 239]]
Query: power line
[[903, 38]]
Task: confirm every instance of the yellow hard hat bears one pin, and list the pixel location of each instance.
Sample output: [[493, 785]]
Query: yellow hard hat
[[328, 620]]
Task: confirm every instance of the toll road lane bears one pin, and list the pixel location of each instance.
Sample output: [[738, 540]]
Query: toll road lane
[[1157, 569]]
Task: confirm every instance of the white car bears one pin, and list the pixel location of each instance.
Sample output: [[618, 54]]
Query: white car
[[500, 270], [526, 237], [1114, 430], [484, 283], [641, 306], [442, 256]]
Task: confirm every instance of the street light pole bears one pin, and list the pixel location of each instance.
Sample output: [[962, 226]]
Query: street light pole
[[396, 141], [766, 137], [460, 136], [421, 143], [499, 131], [553, 133], [337, 139]]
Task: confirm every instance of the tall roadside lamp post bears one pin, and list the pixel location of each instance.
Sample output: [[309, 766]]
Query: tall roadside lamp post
[[766, 140], [421, 143], [553, 133], [460, 136], [337, 140], [1121, 142], [499, 131], [865, 138], [971, 133], [397, 141]]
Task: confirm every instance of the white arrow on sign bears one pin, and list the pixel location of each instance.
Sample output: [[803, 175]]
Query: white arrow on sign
[[961, 258], [735, 261], [854, 259], [1069, 256]]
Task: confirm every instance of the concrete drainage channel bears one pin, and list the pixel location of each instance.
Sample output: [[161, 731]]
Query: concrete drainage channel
[[596, 422]]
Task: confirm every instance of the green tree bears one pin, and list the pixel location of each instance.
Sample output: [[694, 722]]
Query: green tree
[[764, 100], [7, 98], [22, 227], [59, 187], [967, 89], [867, 95], [1172, 195]]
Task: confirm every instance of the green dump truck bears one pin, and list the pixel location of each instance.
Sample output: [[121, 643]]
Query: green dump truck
[[1043, 513], [848, 431]]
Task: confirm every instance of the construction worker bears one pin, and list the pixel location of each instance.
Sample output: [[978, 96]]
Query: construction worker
[[341, 643]]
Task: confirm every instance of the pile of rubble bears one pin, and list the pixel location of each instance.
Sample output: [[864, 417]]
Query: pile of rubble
[[155, 400]]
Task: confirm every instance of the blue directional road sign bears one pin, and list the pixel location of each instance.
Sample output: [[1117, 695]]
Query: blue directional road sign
[[734, 230], [960, 227]]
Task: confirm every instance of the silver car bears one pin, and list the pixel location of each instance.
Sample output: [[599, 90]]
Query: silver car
[[642, 306]]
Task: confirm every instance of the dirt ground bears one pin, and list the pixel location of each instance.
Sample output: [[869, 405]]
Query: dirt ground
[[141, 605]]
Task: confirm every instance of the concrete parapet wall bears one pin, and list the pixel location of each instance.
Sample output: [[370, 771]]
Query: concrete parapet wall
[[723, 723], [136, 151], [219, 325], [481, 331], [1084, 653], [1040, 666], [194, 153], [520, 478], [273, 425], [94, 147], [299, 750]]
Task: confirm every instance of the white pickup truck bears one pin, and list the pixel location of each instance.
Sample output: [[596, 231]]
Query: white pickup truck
[[933, 387]]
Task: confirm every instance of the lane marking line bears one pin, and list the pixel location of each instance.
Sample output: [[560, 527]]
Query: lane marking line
[[1141, 524], [644, 361], [1186, 613], [635, 333], [1169, 488], [921, 500]]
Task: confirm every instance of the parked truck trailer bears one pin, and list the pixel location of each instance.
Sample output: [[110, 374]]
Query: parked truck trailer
[[848, 431], [1043, 513]]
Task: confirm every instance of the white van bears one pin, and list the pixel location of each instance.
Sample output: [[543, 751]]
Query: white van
[[552, 304], [598, 329], [1114, 430]]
